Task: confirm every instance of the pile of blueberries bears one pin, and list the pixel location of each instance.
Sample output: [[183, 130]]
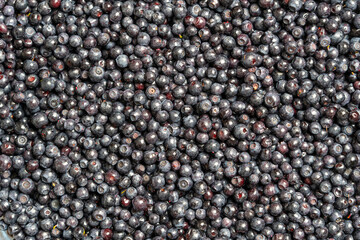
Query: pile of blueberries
[[180, 119]]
